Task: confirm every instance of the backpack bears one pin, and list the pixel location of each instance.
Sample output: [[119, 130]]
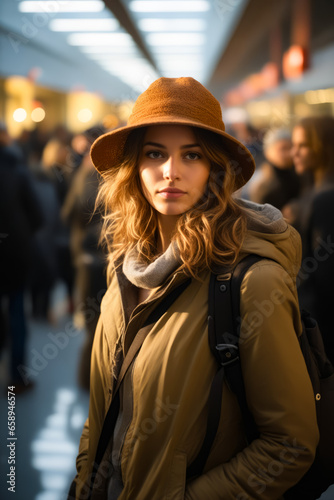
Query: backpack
[[224, 333]]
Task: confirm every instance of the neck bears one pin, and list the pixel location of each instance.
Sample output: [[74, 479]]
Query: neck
[[166, 227]]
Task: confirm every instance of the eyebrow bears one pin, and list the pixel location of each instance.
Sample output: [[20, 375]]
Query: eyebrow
[[156, 144]]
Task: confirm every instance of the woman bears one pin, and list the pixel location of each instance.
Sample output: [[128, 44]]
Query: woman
[[313, 155], [169, 177]]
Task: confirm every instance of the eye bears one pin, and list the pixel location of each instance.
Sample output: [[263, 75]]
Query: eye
[[154, 155], [192, 156]]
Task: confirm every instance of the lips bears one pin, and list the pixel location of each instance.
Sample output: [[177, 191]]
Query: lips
[[170, 192]]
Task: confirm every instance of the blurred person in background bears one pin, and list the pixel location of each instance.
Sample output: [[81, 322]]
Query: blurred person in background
[[20, 217], [87, 257], [33, 145], [79, 145], [24, 142], [276, 181], [43, 272], [313, 155], [44, 265], [58, 168]]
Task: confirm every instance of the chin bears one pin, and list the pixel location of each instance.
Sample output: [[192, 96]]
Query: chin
[[173, 211], [300, 169]]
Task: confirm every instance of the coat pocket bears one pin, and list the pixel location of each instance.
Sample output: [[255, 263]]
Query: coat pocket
[[177, 477]]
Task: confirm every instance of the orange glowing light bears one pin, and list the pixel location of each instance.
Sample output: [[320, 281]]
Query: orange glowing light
[[294, 62]]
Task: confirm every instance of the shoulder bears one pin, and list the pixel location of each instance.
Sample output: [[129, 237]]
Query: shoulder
[[265, 265], [266, 278], [269, 291]]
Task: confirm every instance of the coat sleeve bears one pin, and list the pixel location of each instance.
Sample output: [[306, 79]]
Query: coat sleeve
[[97, 408], [279, 394]]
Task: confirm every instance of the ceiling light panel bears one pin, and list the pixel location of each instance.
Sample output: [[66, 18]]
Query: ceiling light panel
[[170, 39], [164, 50], [109, 49], [115, 56], [84, 25], [91, 39], [55, 7], [171, 24], [169, 6]]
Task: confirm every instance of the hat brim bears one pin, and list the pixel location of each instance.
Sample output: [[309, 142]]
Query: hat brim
[[108, 149]]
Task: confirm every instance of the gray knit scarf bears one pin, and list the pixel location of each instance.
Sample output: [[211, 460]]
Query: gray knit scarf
[[152, 275]]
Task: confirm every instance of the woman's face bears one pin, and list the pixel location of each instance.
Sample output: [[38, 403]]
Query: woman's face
[[303, 156], [173, 169]]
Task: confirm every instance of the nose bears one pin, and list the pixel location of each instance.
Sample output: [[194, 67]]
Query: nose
[[171, 169]]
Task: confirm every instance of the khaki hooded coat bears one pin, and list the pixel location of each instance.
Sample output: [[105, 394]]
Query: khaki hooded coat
[[171, 376]]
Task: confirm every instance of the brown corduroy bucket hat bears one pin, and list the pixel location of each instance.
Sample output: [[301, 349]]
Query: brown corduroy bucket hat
[[174, 101]]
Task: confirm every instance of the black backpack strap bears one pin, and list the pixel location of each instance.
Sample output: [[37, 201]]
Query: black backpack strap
[[112, 414], [219, 300], [233, 372], [224, 333]]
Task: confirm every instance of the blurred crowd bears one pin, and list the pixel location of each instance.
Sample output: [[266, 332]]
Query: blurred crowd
[[297, 176], [49, 234], [49, 231]]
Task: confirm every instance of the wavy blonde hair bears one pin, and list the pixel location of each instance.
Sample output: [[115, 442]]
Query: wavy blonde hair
[[210, 233]]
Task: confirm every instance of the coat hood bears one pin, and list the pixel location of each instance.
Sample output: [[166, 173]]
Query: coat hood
[[271, 237]]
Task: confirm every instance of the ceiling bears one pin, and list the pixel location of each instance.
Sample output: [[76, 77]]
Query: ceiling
[[115, 48]]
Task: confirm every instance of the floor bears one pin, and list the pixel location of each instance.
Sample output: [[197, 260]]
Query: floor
[[49, 417]]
